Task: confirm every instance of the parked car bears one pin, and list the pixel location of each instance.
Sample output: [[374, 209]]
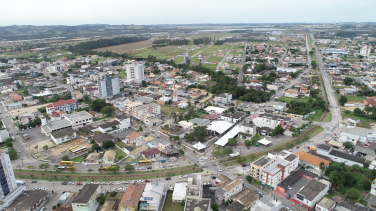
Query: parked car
[[213, 177], [168, 178], [27, 138], [64, 183], [147, 180], [219, 169], [243, 165], [34, 181], [288, 196], [79, 183], [149, 167]]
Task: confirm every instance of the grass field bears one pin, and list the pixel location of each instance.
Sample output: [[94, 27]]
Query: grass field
[[127, 48], [372, 54], [225, 47], [316, 116], [78, 159], [214, 59], [364, 122], [352, 59], [167, 109], [122, 73], [172, 206], [289, 99], [328, 117], [210, 66], [355, 98], [120, 152]]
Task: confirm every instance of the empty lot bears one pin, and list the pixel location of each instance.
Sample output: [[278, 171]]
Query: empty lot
[[127, 48], [55, 154]]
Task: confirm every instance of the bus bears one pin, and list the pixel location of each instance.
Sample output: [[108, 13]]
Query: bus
[[66, 163], [77, 149], [62, 168], [102, 169], [71, 168], [144, 162]]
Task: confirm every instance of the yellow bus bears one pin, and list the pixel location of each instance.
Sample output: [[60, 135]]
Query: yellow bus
[[102, 169], [74, 148], [66, 163], [69, 168], [79, 150], [144, 162]]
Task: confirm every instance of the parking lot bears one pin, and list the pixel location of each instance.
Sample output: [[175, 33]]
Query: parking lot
[[54, 154], [35, 135]]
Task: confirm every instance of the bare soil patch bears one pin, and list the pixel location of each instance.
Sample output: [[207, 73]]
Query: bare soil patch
[[127, 48]]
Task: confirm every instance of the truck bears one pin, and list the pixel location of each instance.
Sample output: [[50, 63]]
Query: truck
[[235, 154]]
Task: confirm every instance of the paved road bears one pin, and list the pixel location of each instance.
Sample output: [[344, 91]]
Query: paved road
[[224, 57], [240, 79]]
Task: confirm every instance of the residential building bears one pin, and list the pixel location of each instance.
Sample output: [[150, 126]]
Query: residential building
[[151, 197], [258, 166], [109, 86], [102, 137], [109, 126], [135, 71], [247, 130], [349, 206], [326, 204], [224, 98], [267, 203], [311, 194], [87, 198], [62, 105], [180, 192], [109, 156], [9, 190], [236, 117], [79, 119], [131, 198], [339, 157], [137, 152], [3, 135], [291, 93], [227, 188], [151, 153], [28, 200], [134, 137], [312, 163], [246, 197], [64, 135], [270, 121]]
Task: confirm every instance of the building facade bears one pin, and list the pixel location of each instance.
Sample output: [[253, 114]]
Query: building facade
[[87, 198], [135, 71], [109, 86], [223, 98]]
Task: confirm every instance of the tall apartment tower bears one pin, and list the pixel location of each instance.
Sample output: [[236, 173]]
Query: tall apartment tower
[[109, 86], [9, 189], [135, 71]]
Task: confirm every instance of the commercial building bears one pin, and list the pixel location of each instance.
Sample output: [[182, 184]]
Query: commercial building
[[109, 86], [236, 117], [267, 203], [312, 163], [224, 98], [270, 121], [131, 198], [63, 135], [135, 71], [9, 190], [339, 157], [79, 119], [109, 156], [227, 188], [151, 197], [29, 200], [311, 194], [62, 105], [86, 198], [326, 204]]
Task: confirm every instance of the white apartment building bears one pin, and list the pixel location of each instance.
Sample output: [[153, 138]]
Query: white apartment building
[[9, 190], [283, 163], [223, 98], [267, 203], [79, 119], [109, 86], [270, 121], [135, 71], [147, 110]]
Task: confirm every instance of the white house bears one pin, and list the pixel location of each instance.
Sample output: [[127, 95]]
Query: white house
[[63, 135], [109, 126], [291, 93], [339, 157], [227, 188], [267, 203], [270, 121], [151, 197], [224, 98], [326, 204]]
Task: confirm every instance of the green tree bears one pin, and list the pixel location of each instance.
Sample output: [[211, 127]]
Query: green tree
[[65, 158], [322, 166], [42, 100], [45, 147], [240, 159], [9, 142], [95, 147], [114, 168], [232, 141], [247, 143], [277, 130], [181, 152], [140, 129], [352, 193], [342, 100], [119, 157], [365, 184], [42, 109], [128, 167], [97, 104], [227, 151], [215, 207], [44, 166], [108, 110], [249, 179], [366, 165], [12, 153], [199, 133], [257, 137], [348, 145], [108, 144]]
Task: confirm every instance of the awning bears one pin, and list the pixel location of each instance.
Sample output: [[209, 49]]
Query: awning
[[264, 141], [199, 146]]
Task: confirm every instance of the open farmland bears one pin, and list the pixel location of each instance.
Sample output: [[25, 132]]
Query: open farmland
[[126, 48]]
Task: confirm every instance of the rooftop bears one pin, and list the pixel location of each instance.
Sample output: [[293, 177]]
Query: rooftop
[[62, 133], [312, 189], [27, 200], [61, 103], [294, 176], [262, 161], [109, 124], [132, 196], [246, 197], [77, 116], [85, 194], [347, 156], [203, 204], [102, 137], [323, 147], [231, 185], [326, 202], [309, 158], [151, 152], [53, 125]]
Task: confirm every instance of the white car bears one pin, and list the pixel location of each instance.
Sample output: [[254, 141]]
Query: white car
[[181, 177], [114, 189], [118, 183], [219, 169]]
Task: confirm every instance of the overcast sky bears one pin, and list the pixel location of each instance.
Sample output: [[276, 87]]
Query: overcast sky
[[143, 12]]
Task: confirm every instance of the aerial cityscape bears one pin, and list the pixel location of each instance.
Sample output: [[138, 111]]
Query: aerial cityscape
[[165, 114]]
